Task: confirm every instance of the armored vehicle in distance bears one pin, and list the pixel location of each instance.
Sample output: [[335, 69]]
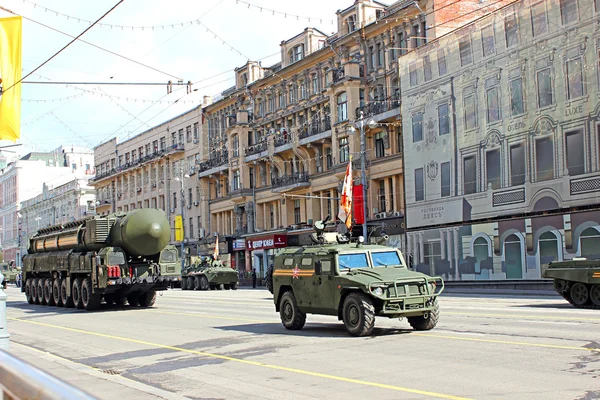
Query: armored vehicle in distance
[[354, 281], [115, 257], [205, 273], [577, 280], [9, 271]]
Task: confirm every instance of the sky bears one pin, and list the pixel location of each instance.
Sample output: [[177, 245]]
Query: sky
[[197, 41]]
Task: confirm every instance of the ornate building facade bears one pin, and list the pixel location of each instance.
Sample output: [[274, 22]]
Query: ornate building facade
[[502, 138]]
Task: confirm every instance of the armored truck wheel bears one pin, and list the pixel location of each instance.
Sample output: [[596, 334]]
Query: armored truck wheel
[[426, 322], [358, 314], [91, 301], [184, 283], [133, 299], [28, 295], [148, 299], [109, 299], [204, 283], [66, 300], [34, 285], [40, 291], [291, 316], [48, 296], [196, 282], [595, 294], [219, 286], [76, 293], [269, 279], [234, 285], [579, 294], [56, 292], [190, 283], [226, 286]]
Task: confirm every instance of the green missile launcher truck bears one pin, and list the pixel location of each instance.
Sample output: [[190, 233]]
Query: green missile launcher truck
[[577, 281], [114, 257], [354, 281], [205, 273]]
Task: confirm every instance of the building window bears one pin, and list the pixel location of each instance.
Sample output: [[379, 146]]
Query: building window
[[297, 214], [272, 216], [589, 243], [414, 79], [513, 257], [493, 105], [427, 68], [544, 159], [574, 78], [381, 196], [492, 163], [487, 40], [517, 105], [443, 119], [539, 19], [470, 112], [328, 158], [342, 107], [419, 185], [400, 140], [445, 178], [470, 175], [432, 254], [236, 146], [344, 150], [568, 11], [441, 58], [417, 127], [403, 43], [548, 247], [315, 83], [236, 180], [574, 143], [466, 55], [545, 90], [379, 145], [371, 58], [379, 55], [511, 29], [181, 136], [302, 93], [188, 133], [517, 165]]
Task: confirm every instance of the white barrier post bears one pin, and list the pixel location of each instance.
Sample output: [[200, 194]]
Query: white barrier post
[[4, 335]]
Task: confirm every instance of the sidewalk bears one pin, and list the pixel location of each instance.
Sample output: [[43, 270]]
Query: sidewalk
[[98, 384]]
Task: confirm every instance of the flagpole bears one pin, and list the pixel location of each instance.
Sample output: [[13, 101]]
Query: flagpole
[[363, 172]]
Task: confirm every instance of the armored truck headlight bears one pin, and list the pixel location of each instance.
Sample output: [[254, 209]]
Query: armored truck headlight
[[377, 291]]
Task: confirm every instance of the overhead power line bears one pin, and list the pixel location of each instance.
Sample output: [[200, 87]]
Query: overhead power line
[[67, 45]]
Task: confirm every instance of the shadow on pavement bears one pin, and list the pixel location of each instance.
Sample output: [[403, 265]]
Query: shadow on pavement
[[551, 305], [309, 330], [40, 310]]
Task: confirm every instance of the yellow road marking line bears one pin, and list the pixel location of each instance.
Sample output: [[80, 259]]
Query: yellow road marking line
[[253, 363], [549, 346], [519, 316], [208, 316]]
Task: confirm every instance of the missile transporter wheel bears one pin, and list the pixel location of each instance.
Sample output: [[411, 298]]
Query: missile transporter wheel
[[91, 301], [204, 283], [66, 300], [28, 294], [56, 292], [48, 295], [34, 285], [358, 314], [133, 299], [196, 282], [595, 295], [148, 299], [40, 291], [291, 316], [184, 283], [76, 293], [426, 322]]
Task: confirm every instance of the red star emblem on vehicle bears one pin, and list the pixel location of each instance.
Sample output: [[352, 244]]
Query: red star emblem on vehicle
[[295, 272]]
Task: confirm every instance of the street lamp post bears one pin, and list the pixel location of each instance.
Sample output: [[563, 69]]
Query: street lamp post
[[180, 179]]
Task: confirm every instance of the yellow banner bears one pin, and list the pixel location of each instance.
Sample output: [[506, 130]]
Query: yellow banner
[[10, 73], [178, 228]]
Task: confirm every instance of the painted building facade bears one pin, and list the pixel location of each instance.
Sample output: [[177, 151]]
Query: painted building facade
[[502, 138]]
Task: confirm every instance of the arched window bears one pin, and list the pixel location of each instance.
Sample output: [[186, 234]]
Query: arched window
[[549, 247], [513, 257], [342, 107], [589, 243], [481, 252]]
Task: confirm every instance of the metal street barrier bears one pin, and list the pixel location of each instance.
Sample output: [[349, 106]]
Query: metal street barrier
[[22, 381]]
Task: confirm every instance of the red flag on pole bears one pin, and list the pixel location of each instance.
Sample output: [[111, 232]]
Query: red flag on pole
[[345, 212], [359, 211]]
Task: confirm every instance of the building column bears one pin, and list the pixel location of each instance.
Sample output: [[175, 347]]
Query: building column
[[415, 248], [456, 253], [409, 243], [443, 244], [396, 204], [421, 248]]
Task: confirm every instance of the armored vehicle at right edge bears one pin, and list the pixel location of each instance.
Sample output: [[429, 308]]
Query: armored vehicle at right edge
[[354, 281], [577, 280], [208, 273]]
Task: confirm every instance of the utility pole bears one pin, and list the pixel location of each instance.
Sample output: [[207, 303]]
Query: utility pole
[[363, 171], [181, 180]]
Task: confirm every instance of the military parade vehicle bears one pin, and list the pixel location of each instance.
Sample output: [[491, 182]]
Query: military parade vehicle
[[113, 257], [354, 281], [10, 272], [205, 273], [577, 280]]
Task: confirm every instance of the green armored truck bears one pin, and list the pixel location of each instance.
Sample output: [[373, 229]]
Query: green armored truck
[[205, 273], [10, 272], [354, 281], [577, 281], [113, 257]]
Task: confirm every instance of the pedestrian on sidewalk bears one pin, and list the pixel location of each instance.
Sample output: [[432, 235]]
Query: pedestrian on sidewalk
[[254, 277]]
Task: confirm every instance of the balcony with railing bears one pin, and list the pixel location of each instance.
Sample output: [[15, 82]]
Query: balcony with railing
[[377, 108], [217, 163], [289, 182], [282, 138], [256, 148], [313, 129]]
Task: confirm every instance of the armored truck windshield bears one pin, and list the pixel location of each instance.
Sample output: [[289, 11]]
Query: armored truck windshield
[[168, 255], [361, 260], [116, 258]]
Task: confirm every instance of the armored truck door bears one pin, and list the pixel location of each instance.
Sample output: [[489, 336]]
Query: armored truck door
[[322, 286]]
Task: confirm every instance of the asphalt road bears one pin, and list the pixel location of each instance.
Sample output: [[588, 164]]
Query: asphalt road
[[231, 345]]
